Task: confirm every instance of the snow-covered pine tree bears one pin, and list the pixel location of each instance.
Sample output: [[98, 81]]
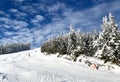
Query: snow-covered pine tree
[[71, 41], [62, 44], [75, 45], [88, 48], [79, 50], [79, 42], [108, 42]]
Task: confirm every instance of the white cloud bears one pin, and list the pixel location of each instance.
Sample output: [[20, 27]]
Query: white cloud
[[4, 14], [5, 20], [8, 33], [19, 24], [13, 10], [33, 36], [56, 7], [37, 19], [14, 24], [22, 35], [20, 1], [97, 1], [115, 5], [29, 9], [17, 14]]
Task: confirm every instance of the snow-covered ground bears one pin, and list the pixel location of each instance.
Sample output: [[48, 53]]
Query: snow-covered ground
[[33, 66]]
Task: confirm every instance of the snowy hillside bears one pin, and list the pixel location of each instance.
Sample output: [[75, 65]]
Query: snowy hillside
[[33, 66]]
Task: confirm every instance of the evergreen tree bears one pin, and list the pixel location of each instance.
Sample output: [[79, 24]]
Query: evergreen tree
[[108, 44], [71, 41]]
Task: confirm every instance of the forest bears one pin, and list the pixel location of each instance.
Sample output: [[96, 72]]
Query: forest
[[104, 44]]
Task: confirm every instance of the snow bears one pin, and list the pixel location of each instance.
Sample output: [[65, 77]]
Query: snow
[[34, 66], [87, 61]]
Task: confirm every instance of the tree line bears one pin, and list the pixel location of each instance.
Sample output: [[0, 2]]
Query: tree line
[[14, 47]]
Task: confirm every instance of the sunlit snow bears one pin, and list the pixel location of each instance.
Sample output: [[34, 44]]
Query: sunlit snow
[[34, 66]]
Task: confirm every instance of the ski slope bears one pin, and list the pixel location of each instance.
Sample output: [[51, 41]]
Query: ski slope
[[33, 66]]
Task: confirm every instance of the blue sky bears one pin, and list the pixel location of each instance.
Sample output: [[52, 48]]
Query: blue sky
[[35, 21]]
